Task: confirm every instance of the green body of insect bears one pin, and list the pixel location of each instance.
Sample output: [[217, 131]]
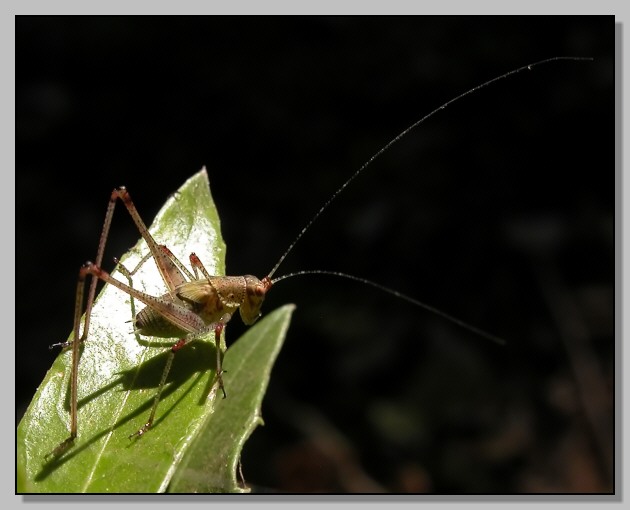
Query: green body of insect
[[210, 300]]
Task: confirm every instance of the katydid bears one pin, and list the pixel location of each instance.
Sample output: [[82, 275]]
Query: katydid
[[197, 304]]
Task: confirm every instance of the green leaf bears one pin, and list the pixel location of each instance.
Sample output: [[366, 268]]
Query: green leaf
[[219, 443], [119, 373]]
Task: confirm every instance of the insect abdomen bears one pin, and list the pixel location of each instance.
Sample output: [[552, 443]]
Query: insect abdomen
[[150, 323]]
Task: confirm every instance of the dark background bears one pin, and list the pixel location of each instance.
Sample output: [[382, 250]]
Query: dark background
[[498, 210]]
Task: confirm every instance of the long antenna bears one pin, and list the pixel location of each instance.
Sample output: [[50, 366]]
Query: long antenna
[[400, 295], [394, 140]]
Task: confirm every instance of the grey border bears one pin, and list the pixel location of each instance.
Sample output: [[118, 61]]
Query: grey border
[[619, 221], [9, 49]]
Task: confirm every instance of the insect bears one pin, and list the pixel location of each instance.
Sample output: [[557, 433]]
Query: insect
[[195, 303]]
